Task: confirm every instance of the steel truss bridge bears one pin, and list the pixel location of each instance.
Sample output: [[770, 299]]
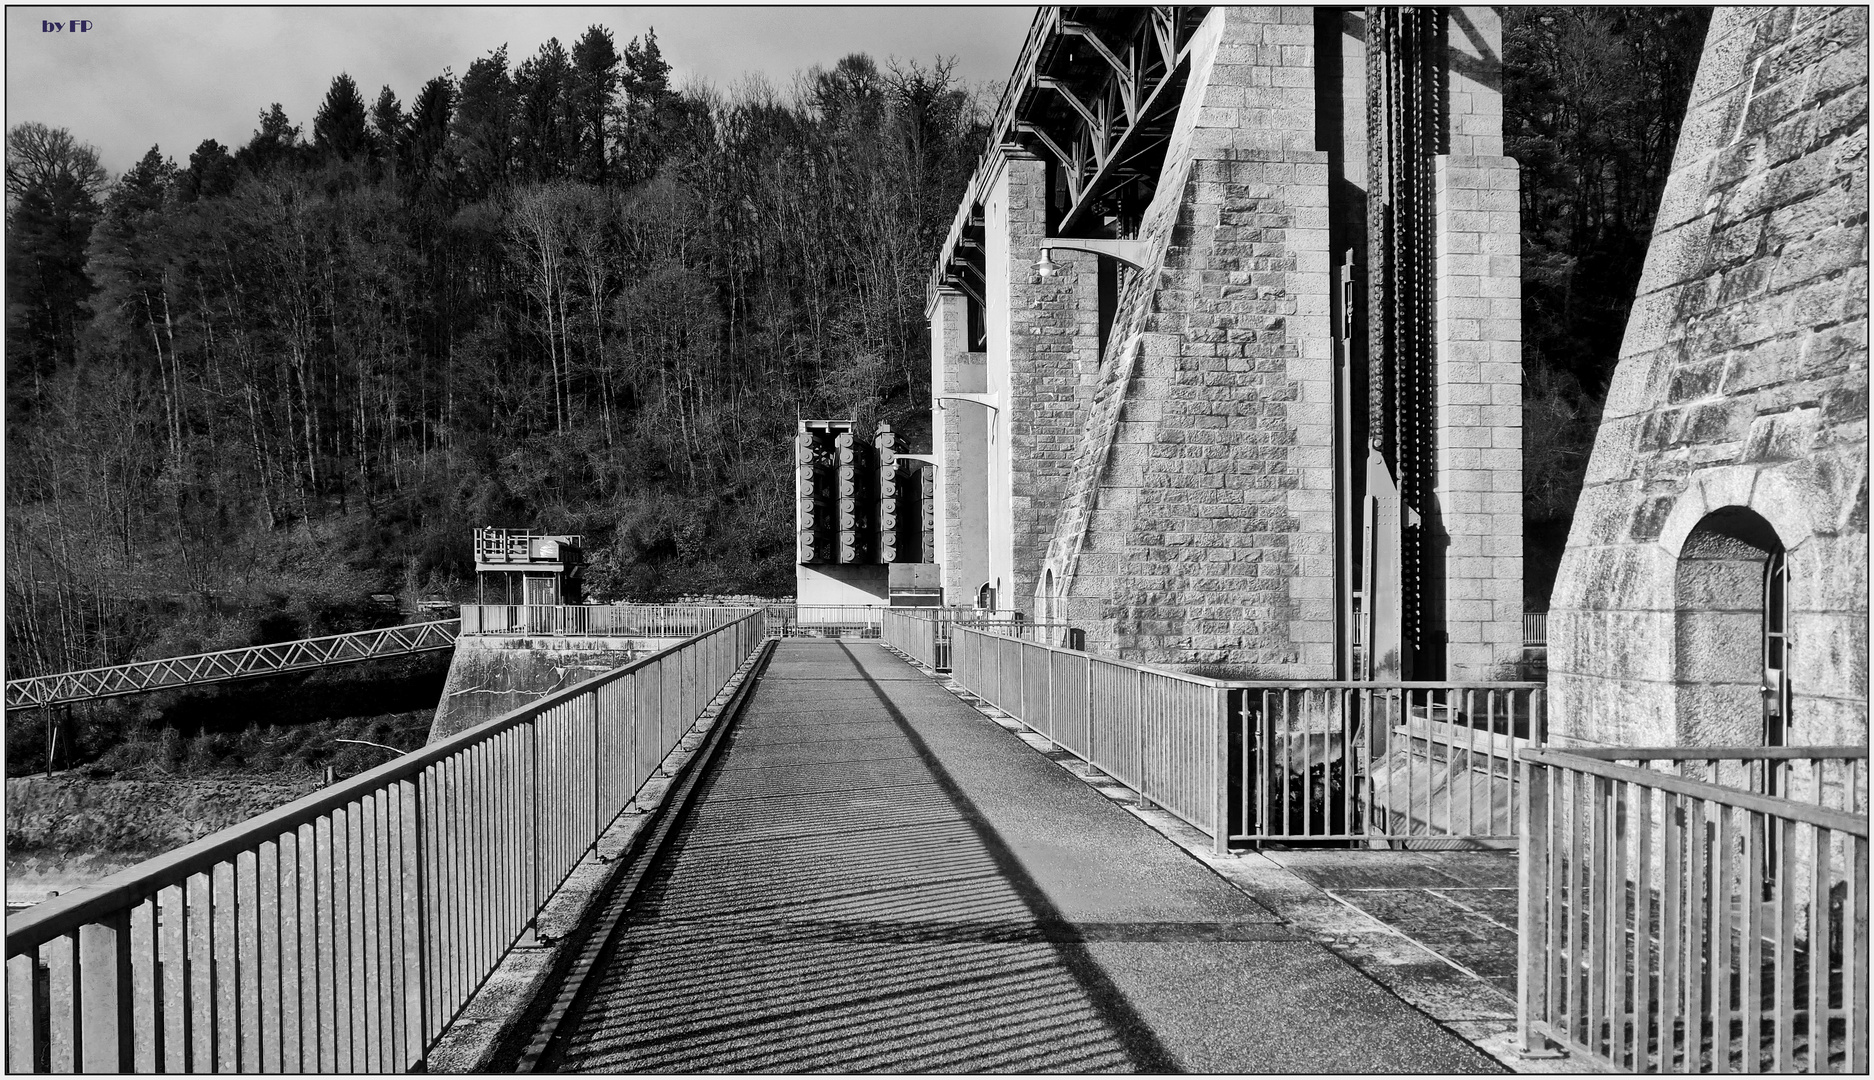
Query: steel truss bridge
[[1095, 93], [230, 664]]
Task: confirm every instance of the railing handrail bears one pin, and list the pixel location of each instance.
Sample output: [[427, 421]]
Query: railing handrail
[[43, 921], [1714, 753], [1806, 813], [1296, 684]]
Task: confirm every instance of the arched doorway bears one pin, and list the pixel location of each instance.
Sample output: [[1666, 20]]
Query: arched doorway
[[1733, 651], [1731, 593]]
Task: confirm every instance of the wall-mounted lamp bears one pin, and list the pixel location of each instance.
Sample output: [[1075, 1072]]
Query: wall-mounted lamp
[[1130, 252]]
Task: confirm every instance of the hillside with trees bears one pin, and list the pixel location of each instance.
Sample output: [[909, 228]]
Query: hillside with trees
[[249, 387]]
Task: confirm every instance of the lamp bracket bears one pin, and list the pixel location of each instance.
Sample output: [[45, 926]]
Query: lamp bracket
[[992, 402], [1130, 252]]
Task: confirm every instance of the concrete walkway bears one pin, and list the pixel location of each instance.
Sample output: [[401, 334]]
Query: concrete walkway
[[876, 878]]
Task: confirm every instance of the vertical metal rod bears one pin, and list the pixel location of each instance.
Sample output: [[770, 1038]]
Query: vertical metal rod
[[1594, 904], [1220, 770], [535, 898], [1615, 965], [1643, 963], [1672, 922], [1724, 884], [1534, 914], [1819, 946], [1854, 954], [267, 878], [1785, 887], [25, 1019], [1697, 925]]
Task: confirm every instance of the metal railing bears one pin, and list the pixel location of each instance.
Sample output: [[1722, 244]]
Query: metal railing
[[596, 620], [342, 932], [494, 545], [1161, 733], [1421, 762], [228, 664], [1677, 916], [924, 634], [1535, 629], [1258, 761], [848, 620]]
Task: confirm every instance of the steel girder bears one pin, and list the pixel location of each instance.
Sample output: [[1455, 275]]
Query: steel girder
[[230, 664], [1095, 92]]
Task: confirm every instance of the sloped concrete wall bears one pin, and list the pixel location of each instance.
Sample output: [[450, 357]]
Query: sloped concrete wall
[[1742, 386], [490, 675]]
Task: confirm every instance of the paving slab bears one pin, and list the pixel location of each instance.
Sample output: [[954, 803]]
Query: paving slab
[[877, 878]]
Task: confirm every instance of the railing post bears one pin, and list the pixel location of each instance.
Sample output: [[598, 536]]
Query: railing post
[[1138, 723], [107, 1020], [1220, 772], [1532, 929], [535, 844]]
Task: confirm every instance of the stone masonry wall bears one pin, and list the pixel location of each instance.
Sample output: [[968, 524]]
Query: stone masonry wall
[[1053, 358], [1479, 362], [1742, 383], [962, 448], [1480, 411]]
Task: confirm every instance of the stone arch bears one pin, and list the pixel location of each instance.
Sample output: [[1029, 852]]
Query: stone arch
[[1718, 626], [1789, 505]]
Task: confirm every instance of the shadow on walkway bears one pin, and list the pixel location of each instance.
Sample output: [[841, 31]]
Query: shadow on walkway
[[837, 901]]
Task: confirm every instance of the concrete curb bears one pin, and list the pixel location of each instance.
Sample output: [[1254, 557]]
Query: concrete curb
[[510, 1003]]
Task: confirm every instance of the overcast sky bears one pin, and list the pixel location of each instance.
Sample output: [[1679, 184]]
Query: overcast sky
[[177, 75]]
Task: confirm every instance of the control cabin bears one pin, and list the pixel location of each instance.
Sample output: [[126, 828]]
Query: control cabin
[[518, 566]]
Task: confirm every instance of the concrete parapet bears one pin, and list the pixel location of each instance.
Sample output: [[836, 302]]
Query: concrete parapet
[[490, 675]]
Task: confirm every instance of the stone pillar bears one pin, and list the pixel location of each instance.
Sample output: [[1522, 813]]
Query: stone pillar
[[1478, 389], [1043, 338], [960, 440]]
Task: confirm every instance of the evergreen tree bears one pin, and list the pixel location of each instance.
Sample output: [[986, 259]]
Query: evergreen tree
[[387, 135], [338, 131], [546, 134], [594, 85], [210, 173], [275, 143], [426, 138], [53, 183], [484, 124], [1592, 102], [648, 112]]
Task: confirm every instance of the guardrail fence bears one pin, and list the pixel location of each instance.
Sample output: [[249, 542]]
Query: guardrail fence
[[925, 633], [343, 931], [597, 620], [1259, 761], [1396, 761], [1678, 917], [828, 620]]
